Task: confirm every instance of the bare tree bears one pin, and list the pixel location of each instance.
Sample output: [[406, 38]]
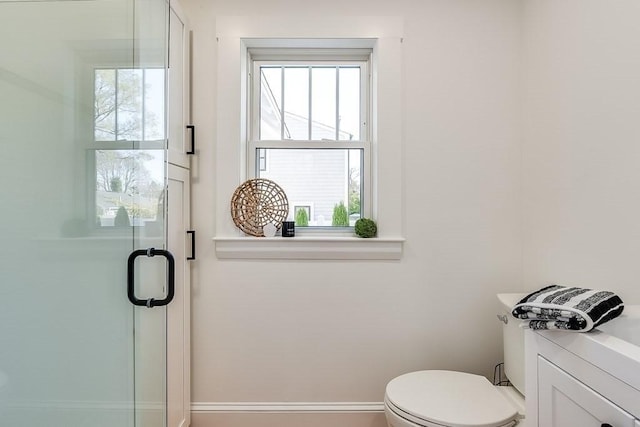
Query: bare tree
[[124, 167], [119, 110]]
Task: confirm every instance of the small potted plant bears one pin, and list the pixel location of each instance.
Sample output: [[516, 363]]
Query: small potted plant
[[302, 218], [340, 216], [366, 228]]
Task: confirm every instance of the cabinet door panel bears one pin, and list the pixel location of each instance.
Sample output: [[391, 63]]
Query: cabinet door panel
[[566, 402], [179, 311], [179, 87]]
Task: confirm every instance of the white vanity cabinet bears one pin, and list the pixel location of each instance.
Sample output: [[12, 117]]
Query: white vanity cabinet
[[575, 380], [564, 401]]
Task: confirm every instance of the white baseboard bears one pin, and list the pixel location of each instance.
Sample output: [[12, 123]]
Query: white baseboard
[[286, 407]]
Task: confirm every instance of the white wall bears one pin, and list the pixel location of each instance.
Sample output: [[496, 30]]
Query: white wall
[[581, 149], [319, 331]]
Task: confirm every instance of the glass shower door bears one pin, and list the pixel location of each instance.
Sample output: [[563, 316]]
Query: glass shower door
[[82, 182]]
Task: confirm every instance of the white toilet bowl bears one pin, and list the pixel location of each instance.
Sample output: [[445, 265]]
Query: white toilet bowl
[[447, 398], [457, 399]]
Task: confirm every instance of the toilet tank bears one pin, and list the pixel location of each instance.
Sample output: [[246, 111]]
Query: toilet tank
[[512, 340]]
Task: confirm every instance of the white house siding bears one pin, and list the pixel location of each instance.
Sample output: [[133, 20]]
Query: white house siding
[[317, 176]]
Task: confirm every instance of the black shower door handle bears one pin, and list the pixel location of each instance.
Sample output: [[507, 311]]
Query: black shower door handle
[[150, 302]]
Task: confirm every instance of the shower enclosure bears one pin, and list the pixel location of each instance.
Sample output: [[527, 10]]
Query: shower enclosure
[[82, 183]]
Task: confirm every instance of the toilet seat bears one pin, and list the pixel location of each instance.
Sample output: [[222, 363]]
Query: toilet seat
[[448, 398]]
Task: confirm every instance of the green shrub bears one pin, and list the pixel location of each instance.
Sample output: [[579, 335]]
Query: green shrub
[[302, 219], [122, 218], [365, 227], [340, 216], [354, 203]]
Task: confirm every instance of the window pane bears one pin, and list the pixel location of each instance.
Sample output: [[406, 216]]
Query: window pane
[[323, 103], [105, 105], [349, 103], [296, 103], [262, 159], [154, 104], [270, 103], [129, 108], [129, 187], [129, 104], [326, 181], [355, 185]]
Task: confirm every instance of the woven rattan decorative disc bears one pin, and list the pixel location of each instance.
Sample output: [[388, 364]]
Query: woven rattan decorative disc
[[256, 203]]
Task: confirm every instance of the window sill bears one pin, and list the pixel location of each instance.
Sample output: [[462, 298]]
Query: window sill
[[318, 248]]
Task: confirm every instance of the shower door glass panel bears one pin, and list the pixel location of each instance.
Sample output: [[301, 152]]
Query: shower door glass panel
[[82, 182]]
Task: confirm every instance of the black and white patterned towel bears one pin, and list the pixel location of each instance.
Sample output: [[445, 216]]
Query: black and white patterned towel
[[567, 308]]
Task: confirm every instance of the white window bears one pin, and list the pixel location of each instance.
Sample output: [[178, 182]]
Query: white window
[[126, 153], [309, 129]]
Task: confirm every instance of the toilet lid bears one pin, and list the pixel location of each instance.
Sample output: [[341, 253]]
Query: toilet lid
[[450, 398]]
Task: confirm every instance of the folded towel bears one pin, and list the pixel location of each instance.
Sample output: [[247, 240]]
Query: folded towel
[[567, 308]]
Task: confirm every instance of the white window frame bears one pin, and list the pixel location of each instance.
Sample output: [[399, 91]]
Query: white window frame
[[92, 146], [258, 57]]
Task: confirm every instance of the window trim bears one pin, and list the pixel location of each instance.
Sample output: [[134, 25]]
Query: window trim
[[310, 248], [283, 56], [233, 36]]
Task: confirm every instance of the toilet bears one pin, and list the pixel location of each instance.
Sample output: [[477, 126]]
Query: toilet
[[437, 398]]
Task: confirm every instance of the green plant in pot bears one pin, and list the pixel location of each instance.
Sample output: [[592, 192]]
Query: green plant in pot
[[302, 219], [366, 228], [340, 216]]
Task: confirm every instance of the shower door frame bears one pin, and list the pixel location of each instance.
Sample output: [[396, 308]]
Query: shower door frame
[[67, 271]]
